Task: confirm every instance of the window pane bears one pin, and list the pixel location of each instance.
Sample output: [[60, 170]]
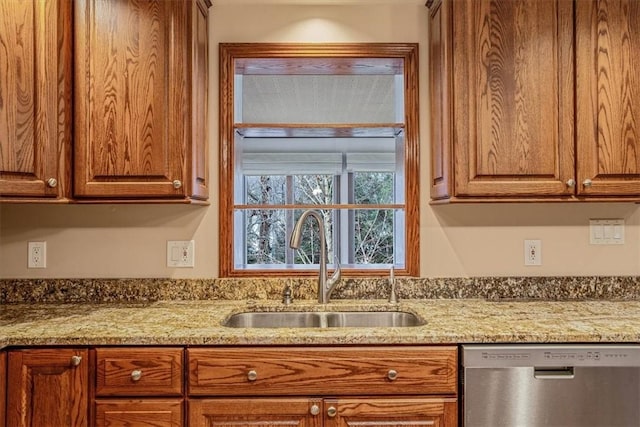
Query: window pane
[[373, 236], [373, 187], [265, 236], [313, 189], [321, 98], [265, 190]]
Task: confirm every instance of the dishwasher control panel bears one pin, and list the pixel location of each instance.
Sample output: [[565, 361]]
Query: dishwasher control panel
[[541, 355]]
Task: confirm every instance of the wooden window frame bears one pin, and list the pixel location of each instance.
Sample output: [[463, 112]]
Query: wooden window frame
[[342, 56]]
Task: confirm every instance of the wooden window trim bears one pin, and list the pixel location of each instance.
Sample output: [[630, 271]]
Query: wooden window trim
[[342, 57]]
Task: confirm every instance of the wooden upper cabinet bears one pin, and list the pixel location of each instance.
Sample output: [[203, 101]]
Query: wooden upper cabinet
[[535, 100], [35, 98], [512, 97], [48, 387], [140, 91], [608, 97]]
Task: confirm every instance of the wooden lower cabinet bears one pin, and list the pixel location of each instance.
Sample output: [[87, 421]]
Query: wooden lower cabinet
[[139, 387], [258, 412], [219, 386], [330, 412], [322, 386], [139, 413], [48, 387], [386, 412]]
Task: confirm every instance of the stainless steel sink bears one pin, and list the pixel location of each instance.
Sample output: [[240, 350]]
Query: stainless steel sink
[[329, 319]]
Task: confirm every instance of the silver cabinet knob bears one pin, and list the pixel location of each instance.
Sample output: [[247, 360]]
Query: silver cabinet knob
[[392, 374], [315, 410], [252, 375], [571, 183], [587, 183], [331, 412], [75, 360], [177, 183], [136, 374], [52, 182]]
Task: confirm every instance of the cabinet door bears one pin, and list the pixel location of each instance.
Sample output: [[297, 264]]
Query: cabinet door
[[608, 97], [255, 412], [139, 413], [132, 109], [199, 95], [47, 387], [513, 97], [35, 97], [440, 77], [377, 412]]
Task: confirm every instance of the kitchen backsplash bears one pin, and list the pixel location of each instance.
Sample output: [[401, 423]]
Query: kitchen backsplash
[[141, 290]]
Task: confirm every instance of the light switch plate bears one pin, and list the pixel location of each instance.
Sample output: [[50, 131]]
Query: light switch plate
[[180, 253], [606, 231]]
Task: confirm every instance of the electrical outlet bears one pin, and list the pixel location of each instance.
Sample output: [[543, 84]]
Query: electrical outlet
[[37, 255], [180, 253], [532, 252]]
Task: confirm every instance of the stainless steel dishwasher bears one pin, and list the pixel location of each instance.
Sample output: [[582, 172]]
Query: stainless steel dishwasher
[[551, 385]]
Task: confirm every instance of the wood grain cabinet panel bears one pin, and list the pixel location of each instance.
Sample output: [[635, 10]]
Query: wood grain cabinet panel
[[48, 387], [35, 99], [377, 412], [292, 412], [608, 97], [513, 97], [323, 386], [535, 100], [139, 371], [349, 371], [138, 96], [139, 413]]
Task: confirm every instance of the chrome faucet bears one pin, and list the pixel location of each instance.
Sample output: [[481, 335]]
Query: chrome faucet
[[325, 285]]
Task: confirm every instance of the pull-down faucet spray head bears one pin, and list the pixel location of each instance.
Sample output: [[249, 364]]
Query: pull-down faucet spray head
[[325, 285]]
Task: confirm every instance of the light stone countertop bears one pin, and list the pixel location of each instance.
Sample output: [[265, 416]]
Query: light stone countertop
[[448, 321]]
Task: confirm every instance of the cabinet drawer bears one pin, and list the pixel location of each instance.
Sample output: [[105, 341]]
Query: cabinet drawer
[[322, 370], [139, 371], [141, 412]]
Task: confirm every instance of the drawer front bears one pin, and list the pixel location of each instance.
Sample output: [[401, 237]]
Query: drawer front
[[139, 371], [322, 370], [142, 412]]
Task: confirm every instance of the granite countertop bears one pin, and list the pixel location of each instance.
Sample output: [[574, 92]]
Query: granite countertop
[[199, 322]]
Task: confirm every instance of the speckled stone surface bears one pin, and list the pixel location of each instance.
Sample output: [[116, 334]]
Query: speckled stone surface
[[200, 323], [191, 312], [148, 290]]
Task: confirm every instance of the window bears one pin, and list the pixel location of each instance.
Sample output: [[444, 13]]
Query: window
[[325, 127]]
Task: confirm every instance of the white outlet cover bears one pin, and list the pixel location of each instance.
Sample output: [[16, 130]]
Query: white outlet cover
[[37, 255], [180, 253], [532, 252]]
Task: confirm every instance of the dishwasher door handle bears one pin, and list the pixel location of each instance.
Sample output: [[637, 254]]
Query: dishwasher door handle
[[560, 373]]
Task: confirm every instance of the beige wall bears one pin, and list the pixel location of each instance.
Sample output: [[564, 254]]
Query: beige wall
[[461, 240]]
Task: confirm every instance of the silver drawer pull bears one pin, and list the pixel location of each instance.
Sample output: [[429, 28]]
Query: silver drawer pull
[[252, 375], [136, 374], [331, 412], [75, 360], [315, 410], [392, 374]]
